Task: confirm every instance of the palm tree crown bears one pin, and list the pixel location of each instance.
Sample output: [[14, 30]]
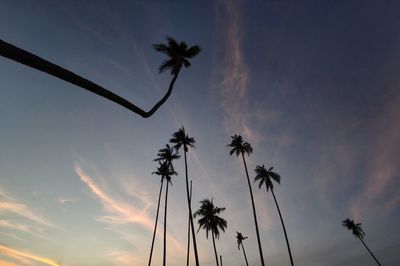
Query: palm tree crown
[[180, 138], [240, 238], [266, 176], [167, 154], [210, 221], [356, 228], [178, 54], [239, 146], [165, 171]]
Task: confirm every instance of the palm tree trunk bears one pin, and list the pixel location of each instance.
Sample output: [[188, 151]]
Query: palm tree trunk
[[165, 228], [220, 259], [190, 212], [254, 213], [188, 243], [245, 257], [370, 252], [155, 224], [215, 249], [284, 229], [24, 57]]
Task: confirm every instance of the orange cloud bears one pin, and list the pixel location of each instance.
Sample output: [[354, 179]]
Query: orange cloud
[[25, 257], [6, 263]]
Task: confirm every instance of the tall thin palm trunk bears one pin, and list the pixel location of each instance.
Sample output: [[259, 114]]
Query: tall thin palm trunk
[[254, 213], [284, 229], [188, 236], [165, 227], [244, 252], [24, 57], [220, 259], [215, 249], [190, 212], [370, 252], [155, 224]]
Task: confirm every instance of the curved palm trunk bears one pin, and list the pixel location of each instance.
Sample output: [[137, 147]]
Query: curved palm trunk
[[284, 229], [370, 252], [190, 212], [155, 224], [254, 213], [24, 57], [215, 249], [188, 243], [165, 228], [244, 252]]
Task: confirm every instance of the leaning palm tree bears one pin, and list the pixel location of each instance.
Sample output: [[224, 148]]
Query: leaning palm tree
[[210, 221], [239, 147], [181, 139], [265, 176], [166, 172], [359, 233], [166, 155], [240, 238], [178, 53]]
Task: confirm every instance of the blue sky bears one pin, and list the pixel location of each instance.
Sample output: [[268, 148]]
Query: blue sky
[[312, 85]]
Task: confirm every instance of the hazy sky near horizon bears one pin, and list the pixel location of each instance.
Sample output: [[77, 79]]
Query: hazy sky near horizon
[[312, 85]]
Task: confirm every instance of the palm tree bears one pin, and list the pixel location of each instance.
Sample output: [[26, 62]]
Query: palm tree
[[166, 172], [265, 176], [240, 238], [188, 236], [239, 147], [359, 233], [181, 139], [210, 221], [178, 53], [166, 155]]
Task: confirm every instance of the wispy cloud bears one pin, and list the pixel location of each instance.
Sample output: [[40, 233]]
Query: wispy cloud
[[384, 165], [123, 258], [121, 212], [25, 257], [233, 77], [24, 211], [124, 212], [67, 200]]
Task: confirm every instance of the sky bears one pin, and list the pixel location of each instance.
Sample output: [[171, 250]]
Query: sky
[[312, 85]]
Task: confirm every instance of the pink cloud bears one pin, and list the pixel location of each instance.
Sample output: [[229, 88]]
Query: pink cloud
[[24, 211]]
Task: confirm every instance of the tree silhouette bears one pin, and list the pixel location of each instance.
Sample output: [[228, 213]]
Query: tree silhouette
[[181, 139], [265, 176], [178, 53], [240, 238], [166, 172], [166, 155], [239, 147], [189, 228], [210, 221], [359, 233]]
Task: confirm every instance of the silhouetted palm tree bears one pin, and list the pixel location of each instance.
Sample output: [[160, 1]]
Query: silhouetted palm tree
[[166, 172], [239, 147], [240, 238], [359, 233], [178, 53], [210, 221], [265, 176], [166, 155], [188, 235], [181, 139]]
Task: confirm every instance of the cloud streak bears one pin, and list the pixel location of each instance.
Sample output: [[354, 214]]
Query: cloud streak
[[25, 257], [24, 211]]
